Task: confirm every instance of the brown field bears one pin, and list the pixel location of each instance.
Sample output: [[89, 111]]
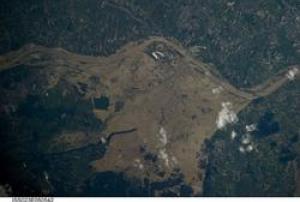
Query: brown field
[[169, 104]]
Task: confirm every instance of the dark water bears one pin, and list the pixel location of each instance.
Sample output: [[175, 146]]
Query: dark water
[[102, 102], [267, 125]]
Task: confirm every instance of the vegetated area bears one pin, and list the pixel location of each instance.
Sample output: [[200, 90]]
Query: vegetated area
[[270, 168], [247, 41], [31, 115], [43, 103]]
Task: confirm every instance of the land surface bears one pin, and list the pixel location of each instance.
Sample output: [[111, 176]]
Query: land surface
[[248, 42], [151, 105]]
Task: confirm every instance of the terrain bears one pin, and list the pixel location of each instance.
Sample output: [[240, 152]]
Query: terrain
[[262, 158], [145, 111], [240, 38], [149, 98]]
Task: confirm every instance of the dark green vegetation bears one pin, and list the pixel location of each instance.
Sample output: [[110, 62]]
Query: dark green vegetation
[[30, 117], [268, 170], [247, 41], [117, 184], [241, 38]]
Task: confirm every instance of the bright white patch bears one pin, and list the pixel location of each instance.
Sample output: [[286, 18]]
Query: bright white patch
[[163, 136], [164, 156], [160, 53], [137, 163], [246, 139], [103, 140], [226, 115], [250, 128], [249, 148], [242, 149], [292, 73], [230, 4], [46, 176], [217, 90], [233, 135], [141, 166], [174, 160], [154, 55], [163, 140], [157, 55]]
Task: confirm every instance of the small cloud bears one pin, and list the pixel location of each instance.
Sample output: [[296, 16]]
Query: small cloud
[[246, 139], [103, 140], [233, 135], [230, 3], [292, 73], [250, 128], [242, 149], [163, 136], [137, 163], [164, 156], [46, 176], [174, 160], [249, 148], [226, 115], [217, 90]]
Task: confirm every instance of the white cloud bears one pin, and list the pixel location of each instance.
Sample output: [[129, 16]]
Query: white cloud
[[163, 136], [233, 135], [174, 160], [292, 73], [46, 176], [251, 127], [164, 156], [137, 163], [249, 148], [246, 139], [217, 90], [242, 149], [226, 115], [103, 140]]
